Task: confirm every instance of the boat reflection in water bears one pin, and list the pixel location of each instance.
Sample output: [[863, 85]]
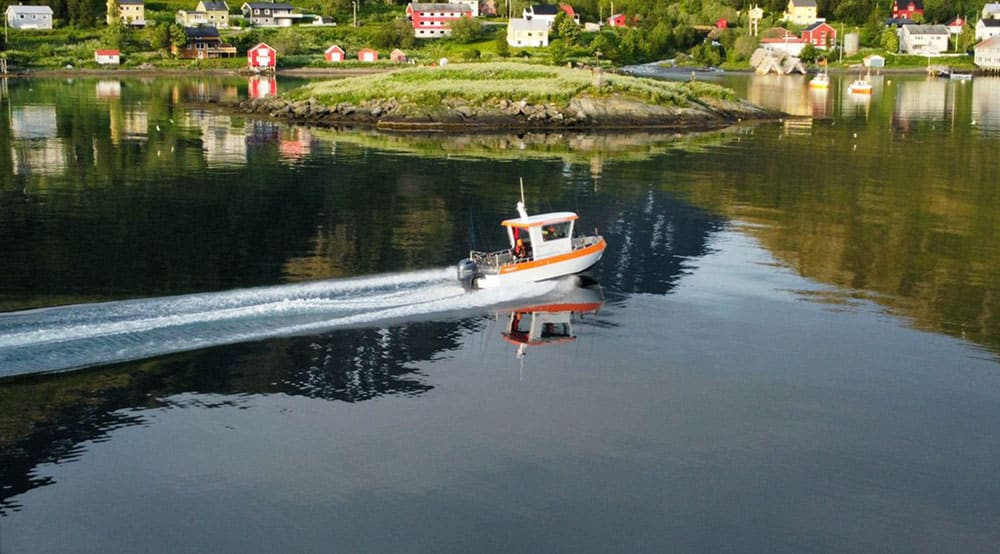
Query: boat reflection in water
[[551, 323]]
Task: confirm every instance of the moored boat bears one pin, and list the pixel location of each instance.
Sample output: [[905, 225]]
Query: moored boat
[[820, 81], [542, 247], [860, 86]]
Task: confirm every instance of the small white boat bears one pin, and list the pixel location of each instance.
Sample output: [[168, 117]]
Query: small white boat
[[820, 81], [542, 247], [860, 86]]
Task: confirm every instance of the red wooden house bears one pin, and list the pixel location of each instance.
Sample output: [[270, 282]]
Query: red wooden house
[[368, 55], [262, 57], [618, 20], [820, 35], [433, 20], [907, 9], [334, 54]]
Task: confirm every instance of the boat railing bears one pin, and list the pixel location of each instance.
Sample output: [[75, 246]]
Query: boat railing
[[491, 260]]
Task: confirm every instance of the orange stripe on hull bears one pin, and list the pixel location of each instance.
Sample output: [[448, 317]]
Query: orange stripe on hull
[[592, 249]]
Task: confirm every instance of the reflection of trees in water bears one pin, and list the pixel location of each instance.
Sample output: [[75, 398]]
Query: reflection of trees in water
[[650, 238], [49, 419], [358, 365]]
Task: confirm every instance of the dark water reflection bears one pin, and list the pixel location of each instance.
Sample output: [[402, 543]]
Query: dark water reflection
[[796, 351]]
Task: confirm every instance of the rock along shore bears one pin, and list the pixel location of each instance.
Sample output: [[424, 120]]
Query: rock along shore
[[583, 112]]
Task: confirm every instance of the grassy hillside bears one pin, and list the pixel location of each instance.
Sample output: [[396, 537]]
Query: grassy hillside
[[485, 81]]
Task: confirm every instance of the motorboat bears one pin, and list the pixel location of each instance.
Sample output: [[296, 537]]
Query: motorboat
[[820, 81], [861, 86], [542, 247], [552, 322]]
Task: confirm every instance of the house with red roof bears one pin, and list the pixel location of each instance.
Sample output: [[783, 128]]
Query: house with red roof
[[820, 34], [334, 54], [107, 57], [907, 9]]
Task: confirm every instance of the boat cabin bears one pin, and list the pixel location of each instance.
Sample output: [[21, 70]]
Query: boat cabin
[[541, 235]]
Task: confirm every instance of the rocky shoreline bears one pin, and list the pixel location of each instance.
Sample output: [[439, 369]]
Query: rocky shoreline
[[583, 112]]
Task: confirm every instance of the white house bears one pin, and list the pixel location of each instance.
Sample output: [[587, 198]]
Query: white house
[[991, 11], [923, 40], [29, 17], [107, 57], [541, 12], [526, 33], [269, 14], [987, 55], [987, 28]]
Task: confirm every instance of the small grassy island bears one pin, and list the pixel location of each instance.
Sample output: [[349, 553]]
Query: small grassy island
[[506, 96]]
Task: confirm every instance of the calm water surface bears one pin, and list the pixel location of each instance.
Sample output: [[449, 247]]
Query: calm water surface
[[227, 334]]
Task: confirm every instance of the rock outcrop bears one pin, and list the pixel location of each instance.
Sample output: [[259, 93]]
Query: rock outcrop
[[582, 112]]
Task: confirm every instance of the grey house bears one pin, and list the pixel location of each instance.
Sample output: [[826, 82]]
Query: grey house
[[29, 17]]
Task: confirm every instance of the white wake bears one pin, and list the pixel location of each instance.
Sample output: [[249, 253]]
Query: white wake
[[69, 337]]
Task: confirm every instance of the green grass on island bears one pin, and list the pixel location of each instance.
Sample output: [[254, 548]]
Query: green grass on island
[[483, 82]]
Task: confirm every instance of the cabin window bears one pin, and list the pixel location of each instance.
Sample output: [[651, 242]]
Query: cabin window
[[555, 231]]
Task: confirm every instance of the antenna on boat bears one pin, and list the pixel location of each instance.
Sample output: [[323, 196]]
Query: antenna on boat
[[520, 205]]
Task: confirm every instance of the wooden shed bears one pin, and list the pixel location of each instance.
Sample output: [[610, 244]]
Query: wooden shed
[[334, 54], [368, 55], [262, 57]]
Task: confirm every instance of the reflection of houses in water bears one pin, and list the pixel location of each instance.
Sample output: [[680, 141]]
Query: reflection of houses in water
[[786, 93], [262, 86], [36, 148], [922, 100], [203, 91], [297, 146], [33, 121], [551, 323], [132, 125], [261, 136], [109, 89], [986, 103], [223, 143], [45, 156]]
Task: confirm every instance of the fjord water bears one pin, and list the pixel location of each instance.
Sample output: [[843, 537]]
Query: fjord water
[[228, 334]]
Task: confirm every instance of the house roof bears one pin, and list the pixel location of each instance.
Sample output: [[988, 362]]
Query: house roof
[[264, 44], [542, 9], [817, 25], [215, 6], [926, 30], [804, 3], [107, 52], [518, 24], [334, 47], [44, 10], [441, 7], [917, 4], [992, 8], [131, 2], [268, 6], [990, 22], [993, 42], [203, 31]]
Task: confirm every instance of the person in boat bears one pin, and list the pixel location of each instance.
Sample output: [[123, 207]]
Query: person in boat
[[520, 250]]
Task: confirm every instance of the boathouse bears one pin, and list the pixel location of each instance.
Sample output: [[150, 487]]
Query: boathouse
[[262, 57], [107, 57], [334, 54]]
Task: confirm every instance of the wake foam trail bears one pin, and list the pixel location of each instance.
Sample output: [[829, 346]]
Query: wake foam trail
[[71, 337]]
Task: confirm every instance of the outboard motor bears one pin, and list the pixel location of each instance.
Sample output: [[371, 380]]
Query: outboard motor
[[467, 273]]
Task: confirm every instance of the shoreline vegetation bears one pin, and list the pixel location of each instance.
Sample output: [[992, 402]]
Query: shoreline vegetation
[[506, 96]]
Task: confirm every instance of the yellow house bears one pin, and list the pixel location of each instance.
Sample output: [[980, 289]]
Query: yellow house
[[801, 12], [132, 12], [217, 13]]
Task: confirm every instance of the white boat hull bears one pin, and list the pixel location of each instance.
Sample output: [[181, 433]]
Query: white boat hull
[[545, 269]]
